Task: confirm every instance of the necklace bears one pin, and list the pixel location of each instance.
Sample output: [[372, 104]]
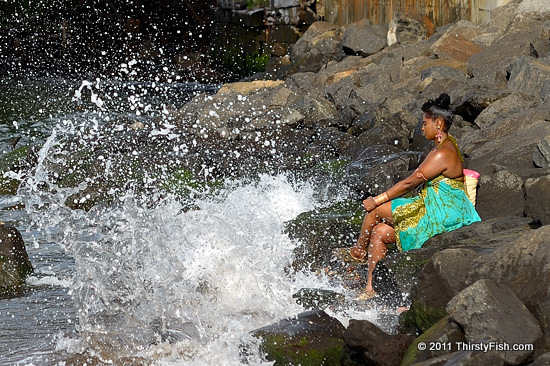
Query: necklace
[[441, 143]]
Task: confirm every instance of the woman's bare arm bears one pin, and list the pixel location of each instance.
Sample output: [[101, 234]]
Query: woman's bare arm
[[435, 164]]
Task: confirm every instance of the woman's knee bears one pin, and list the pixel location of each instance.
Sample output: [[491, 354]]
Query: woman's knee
[[384, 233]]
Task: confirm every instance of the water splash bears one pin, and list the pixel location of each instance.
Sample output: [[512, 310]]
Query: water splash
[[171, 285], [155, 280]]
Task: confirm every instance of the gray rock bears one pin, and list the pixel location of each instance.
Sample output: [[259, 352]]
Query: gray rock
[[501, 108], [490, 65], [321, 43], [441, 339], [509, 144], [441, 278], [313, 336], [15, 265], [369, 345], [440, 269], [500, 192], [541, 154], [536, 205], [516, 264], [489, 309], [442, 72], [364, 39], [475, 358], [232, 4], [543, 360], [374, 168], [540, 6], [407, 29], [530, 76]]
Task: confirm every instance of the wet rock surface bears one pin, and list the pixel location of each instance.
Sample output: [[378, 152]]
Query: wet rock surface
[[15, 265]]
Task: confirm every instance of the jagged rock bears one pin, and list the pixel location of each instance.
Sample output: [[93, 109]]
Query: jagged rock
[[489, 309], [232, 4], [364, 39], [530, 76], [407, 29], [500, 192], [327, 228], [366, 344], [245, 88], [439, 270], [456, 43], [541, 154], [517, 265], [441, 339], [494, 112], [535, 207], [490, 64], [442, 72], [377, 168], [310, 338], [543, 360], [321, 43], [540, 6], [465, 358], [15, 265], [442, 277], [485, 150]]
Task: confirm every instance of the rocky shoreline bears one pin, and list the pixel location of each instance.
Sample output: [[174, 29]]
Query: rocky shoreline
[[344, 105]]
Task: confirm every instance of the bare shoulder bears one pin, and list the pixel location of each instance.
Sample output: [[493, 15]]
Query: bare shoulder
[[447, 150]]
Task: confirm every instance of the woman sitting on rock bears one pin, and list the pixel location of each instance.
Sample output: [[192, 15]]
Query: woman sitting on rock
[[441, 206]]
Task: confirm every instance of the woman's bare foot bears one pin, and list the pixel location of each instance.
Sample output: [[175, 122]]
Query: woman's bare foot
[[357, 253], [402, 309], [365, 295]]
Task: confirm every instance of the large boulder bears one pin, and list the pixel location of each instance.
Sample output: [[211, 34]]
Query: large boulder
[[524, 267], [407, 29], [15, 265], [321, 43], [537, 206], [531, 76], [440, 269], [310, 338], [364, 39], [366, 344], [491, 64], [540, 6], [456, 43], [441, 339], [491, 311], [500, 192], [541, 153], [321, 230]]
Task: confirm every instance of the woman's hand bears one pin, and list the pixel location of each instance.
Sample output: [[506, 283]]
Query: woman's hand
[[369, 204]]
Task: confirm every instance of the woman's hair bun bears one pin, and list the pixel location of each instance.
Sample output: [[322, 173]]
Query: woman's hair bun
[[441, 107], [443, 101]]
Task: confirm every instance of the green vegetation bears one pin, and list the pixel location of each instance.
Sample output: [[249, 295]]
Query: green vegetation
[[238, 62], [425, 317], [302, 351], [257, 3], [335, 168], [183, 183]]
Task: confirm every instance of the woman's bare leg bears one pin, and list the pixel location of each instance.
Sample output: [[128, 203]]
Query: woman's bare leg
[[382, 234], [381, 214]]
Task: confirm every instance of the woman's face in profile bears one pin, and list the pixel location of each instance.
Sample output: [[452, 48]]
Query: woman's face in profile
[[429, 127]]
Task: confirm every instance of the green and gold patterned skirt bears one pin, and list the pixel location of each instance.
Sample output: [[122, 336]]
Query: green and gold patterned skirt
[[441, 206]]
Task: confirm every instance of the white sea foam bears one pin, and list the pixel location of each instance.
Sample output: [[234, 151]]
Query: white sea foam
[[49, 281], [186, 287]]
